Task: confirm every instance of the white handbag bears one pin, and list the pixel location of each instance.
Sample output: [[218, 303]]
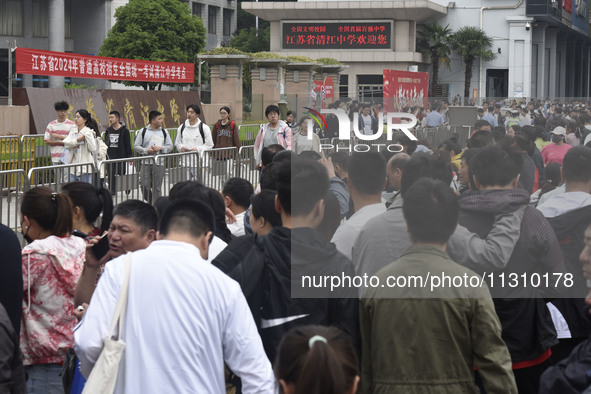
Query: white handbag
[[103, 376]]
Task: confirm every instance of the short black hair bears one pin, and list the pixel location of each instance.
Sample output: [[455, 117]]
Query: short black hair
[[195, 189], [365, 106], [143, 214], [577, 164], [239, 190], [367, 172], [187, 216], [493, 166], [195, 108], [310, 155], [269, 152], [268, 177], [405, 141], [425, 165], [153, 115], [271, 108], [342, 159], [450, 145], [61, 106], [480, 139], [263, 204], [540, 121], [116, 113], [290, 112], [302, 186], [481, 123], [431, 210]]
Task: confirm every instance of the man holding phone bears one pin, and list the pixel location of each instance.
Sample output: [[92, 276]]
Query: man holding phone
[[133, 228]]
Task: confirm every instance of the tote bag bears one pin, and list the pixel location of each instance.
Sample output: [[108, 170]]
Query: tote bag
[[103, 376]]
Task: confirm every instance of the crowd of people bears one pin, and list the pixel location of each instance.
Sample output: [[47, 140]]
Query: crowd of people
[[235, 290]]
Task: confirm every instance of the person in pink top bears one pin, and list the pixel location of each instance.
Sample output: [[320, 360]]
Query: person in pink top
[[51, 265], [554, 152], [274, 132], [57, 130]]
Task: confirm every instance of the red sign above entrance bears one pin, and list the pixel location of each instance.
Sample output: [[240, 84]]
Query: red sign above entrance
[[337, 35]]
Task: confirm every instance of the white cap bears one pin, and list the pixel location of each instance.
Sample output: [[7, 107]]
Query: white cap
[[559, 131]]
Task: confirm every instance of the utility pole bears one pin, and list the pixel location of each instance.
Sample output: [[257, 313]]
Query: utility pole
[[10, 74]]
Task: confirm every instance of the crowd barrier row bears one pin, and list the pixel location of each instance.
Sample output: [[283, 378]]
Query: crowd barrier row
[[144, 177]]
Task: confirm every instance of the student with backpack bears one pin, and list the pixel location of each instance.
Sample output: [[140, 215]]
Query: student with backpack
[[193, 136], [152, 140], [225, 135], [274, 132]]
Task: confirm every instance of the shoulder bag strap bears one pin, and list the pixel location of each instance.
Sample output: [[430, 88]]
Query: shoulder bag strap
[[121, 306]]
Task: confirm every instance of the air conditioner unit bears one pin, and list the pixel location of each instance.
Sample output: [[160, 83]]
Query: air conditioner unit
[[414, 68]]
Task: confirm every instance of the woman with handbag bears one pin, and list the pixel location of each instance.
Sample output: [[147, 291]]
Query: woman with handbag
[[51, 264], [83, 145]]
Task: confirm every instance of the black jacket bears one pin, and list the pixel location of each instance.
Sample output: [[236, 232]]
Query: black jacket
[[229, 258], [271, 274], [122, 147], [11, 276], [12, 374], [570, 231], [527, 326], [571, 375]]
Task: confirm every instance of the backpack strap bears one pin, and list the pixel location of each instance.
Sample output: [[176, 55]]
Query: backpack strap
[[143, 134], [201, 131], [232, 125], [182, 129]]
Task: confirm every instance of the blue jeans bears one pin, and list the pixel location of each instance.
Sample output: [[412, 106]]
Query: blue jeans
[[44, 379]]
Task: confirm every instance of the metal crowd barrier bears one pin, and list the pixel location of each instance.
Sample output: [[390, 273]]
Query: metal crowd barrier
[[217, 166], [178, 167], [34, 152], [248, 133], [9, 206], [55, 177], [10, 154], [122, 177], [247, 165]]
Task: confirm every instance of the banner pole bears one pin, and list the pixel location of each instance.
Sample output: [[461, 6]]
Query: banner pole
[[10, 49]]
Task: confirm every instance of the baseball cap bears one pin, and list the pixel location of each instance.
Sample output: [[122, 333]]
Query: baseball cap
[[559, 131]]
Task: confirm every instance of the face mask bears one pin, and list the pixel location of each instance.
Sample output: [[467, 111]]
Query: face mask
[[25, 234]]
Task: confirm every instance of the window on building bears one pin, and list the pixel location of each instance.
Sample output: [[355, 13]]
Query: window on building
[[11, 18], [228, 21], [41, 18], [197, 9], [212, 16]]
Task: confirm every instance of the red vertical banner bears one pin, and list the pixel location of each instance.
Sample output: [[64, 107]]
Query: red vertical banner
[[405, 89]]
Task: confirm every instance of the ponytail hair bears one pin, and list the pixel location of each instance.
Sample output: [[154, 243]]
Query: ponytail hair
[[89, 121], [92, 200], [317, 360], [52, 211]]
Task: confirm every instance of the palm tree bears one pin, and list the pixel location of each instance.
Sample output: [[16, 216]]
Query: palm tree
[[470, 42], [434, 41]]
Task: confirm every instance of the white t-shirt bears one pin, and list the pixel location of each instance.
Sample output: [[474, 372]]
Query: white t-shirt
[[184, 319], [348, 232]]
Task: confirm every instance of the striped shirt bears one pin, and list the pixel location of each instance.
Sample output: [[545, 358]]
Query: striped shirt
[[61, 129]]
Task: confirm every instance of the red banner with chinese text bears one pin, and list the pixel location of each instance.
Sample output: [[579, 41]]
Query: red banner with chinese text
[[405, 89], [38, 62]]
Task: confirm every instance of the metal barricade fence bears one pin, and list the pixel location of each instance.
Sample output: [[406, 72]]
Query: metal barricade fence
[[122, 177], [178, 167], [217, 166], [34, 152], [10, 197], [247, 166], [248, 133], [10, 152], [55, 177]]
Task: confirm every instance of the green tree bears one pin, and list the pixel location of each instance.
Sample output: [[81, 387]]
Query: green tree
[[156, 30], [434, 41], [469, 43], [248, 41]]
